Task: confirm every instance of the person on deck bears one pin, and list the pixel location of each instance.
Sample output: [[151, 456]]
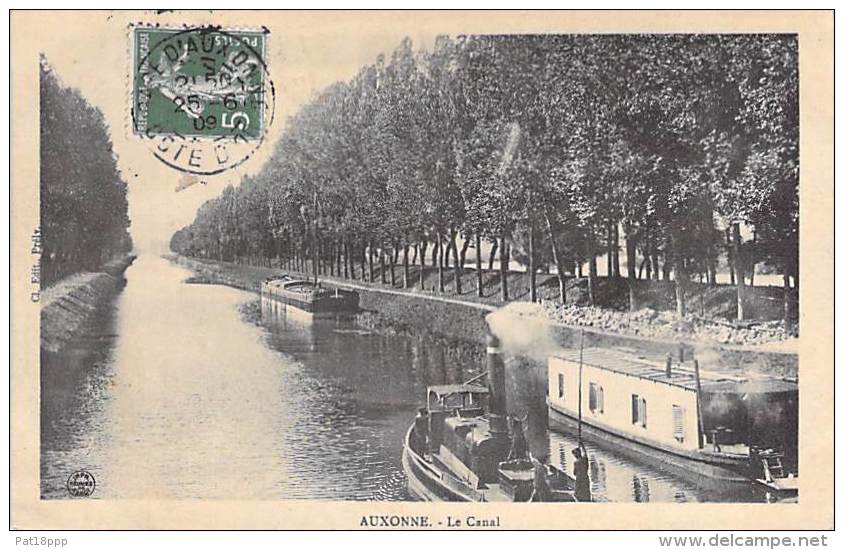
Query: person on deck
[[582, 489]]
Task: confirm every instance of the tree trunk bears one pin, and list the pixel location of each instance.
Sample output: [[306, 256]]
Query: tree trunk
[[630, 245], [415, 253], [558, 260], [345, 258], [440, 262], [492, 254], [739, 268], [458, 267], [531, 263], [751, 267], [340, 249], [406, 266], [423, 249], [786, 299], [730, 257], [610, 268], [381, 271], [680, 277], [448, 252], [371, 260], [463, 249], [392, 259], [363, 262], [593, 269], [615, 250], [655, 263], [479, 266], [351, 252], [504, 266]]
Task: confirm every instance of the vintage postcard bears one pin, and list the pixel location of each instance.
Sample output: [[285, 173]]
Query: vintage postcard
[[422, 270]]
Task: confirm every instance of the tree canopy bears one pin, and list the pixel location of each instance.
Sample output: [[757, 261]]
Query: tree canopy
[[541, 144], [84, 211]]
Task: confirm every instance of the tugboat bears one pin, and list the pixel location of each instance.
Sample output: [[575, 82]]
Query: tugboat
[[720, 426], [309, 297], [463, 447]]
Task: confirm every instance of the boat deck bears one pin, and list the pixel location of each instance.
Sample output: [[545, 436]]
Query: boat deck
[[682, 374], [431, 480]]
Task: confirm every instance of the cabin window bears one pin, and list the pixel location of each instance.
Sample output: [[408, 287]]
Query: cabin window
[[639, 410], [561, 386], [678, 414], [596, 398]]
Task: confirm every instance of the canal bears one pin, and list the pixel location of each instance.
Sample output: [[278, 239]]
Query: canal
[[172, 393]]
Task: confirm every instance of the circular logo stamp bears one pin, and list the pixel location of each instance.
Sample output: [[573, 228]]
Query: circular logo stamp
[[201, 96], [81, 483]]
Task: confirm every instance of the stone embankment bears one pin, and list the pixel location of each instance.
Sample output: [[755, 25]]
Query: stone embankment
[[67, 306]]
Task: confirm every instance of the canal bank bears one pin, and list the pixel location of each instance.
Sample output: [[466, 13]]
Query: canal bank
[[523, 328], [67, 306]]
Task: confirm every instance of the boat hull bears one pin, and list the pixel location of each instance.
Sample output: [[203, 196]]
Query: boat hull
[[340, 302], [425, 482], [721, 468]]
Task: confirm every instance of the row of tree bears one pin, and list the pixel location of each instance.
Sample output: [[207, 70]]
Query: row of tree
[[84, 211], [548, 146]]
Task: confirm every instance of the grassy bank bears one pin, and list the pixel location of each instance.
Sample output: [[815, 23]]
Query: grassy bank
[[763, 303]]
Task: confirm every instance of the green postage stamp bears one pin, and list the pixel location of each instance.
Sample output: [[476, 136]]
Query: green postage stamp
[[202, 95]]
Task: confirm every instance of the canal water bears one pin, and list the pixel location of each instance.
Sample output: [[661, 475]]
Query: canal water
[[173, 394]]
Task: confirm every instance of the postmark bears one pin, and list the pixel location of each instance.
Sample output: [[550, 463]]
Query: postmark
[[81, 483], [202, 97]]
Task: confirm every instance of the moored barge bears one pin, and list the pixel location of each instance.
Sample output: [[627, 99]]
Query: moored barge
[[463, 447], [708, 423], [309, 297]]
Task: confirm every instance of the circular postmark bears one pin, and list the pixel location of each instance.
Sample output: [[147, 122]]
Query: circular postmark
[[81, 483], [202, 96]]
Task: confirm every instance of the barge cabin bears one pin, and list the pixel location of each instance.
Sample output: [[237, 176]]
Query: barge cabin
[[311, 298], [712, 424]]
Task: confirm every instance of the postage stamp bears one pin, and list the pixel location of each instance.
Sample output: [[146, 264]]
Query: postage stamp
[[201, 95]]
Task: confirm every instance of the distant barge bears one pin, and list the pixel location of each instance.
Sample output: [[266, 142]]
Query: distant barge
[[311, 298], [711, 424], [462, 448]]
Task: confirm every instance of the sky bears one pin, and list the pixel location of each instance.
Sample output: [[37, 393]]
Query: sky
[[304, 56]]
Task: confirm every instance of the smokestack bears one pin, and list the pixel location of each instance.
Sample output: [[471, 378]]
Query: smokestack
[[497, 391], [668, 365]]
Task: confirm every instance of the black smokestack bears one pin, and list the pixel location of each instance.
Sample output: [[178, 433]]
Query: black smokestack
[[497, 389]]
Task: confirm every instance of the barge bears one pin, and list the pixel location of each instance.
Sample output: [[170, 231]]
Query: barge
[[309, 297], [463, 447], [714, 425]]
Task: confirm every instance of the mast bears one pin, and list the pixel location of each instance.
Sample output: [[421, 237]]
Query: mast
[[580, 392], [700, 431]]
